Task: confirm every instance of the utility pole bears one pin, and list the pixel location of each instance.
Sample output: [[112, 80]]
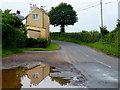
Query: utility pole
[[101, 8]]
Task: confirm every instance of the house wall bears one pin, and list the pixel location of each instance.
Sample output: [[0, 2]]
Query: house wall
[[34, 34], [31, 22], [46, 25], [42, 22]]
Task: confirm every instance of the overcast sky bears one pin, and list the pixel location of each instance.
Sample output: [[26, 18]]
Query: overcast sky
[[89, 19]]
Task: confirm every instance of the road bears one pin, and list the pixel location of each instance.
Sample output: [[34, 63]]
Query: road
[[94, 69], [101, 70]]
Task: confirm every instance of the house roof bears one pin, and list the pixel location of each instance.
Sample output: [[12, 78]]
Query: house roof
[[20, 16], [34, 10]]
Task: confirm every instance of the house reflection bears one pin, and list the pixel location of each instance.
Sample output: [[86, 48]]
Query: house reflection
[[14, 78], [37, 74], [11, 78]]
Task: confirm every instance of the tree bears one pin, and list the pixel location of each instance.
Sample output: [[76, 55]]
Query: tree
[[13, 30], [62, 15], [118, 25], [104, 31]]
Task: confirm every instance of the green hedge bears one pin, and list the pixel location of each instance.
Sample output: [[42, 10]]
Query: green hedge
[[84, 36], [112, 38], [37, 43], [42, 43]]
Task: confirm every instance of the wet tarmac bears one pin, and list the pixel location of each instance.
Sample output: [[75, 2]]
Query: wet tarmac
[[41, 76], [74, 66]]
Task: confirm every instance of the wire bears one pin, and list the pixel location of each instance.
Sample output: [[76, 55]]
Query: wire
[[88, 7], [96, 5]]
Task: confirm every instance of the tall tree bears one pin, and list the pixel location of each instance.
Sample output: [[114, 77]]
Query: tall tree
[[62, 15], [13, 30]]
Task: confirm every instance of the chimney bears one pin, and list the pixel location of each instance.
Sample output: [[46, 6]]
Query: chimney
[[32, 7], [17, 12]]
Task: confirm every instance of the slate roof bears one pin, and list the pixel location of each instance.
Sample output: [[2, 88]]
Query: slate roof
[[20, 16]]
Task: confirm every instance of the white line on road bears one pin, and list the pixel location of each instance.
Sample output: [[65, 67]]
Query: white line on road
[[87, 55], [103, 63]]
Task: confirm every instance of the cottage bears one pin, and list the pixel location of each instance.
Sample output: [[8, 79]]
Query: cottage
[[37, 23], [37, 74]]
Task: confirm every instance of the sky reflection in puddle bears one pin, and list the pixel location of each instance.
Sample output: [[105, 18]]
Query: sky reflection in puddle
[[36, 77]]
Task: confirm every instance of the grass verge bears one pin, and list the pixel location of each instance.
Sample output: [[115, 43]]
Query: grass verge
[[10, 51], [106, 48], [53, 46]]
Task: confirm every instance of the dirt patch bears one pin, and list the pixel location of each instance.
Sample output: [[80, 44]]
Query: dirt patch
[[34, 57]]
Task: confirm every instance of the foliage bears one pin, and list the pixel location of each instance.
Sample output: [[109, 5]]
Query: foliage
[[62, 15], [38, 43], [20, 39], [30, 42], [118, 24], [112, 38], [13, 31], [108, 42], [52, 46], [42, 43], [11, 50], [84, 36], [107, 48], [104, 31]]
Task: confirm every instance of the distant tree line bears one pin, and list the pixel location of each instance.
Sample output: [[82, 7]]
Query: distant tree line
[[84, 36], [104, 36]]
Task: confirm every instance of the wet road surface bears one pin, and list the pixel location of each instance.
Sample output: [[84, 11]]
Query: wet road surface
[[100, 70], [87, 67], [42, 76]]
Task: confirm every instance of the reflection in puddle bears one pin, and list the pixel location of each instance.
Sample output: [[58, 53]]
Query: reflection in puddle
[[36, 77]]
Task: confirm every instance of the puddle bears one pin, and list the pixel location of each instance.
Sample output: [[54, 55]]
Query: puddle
[[42, 76]]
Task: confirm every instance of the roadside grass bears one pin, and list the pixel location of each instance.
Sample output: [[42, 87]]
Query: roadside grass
[[10, 51], [106, 48], [53, 46]]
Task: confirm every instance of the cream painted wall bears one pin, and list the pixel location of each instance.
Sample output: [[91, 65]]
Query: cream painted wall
[[32, 22], [43, 23], [33, 34]]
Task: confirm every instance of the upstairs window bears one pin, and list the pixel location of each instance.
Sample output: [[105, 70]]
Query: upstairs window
[[35, 16]]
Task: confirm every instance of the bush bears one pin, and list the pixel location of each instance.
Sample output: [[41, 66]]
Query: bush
[[37, 43], [104, 31], [84, 36], [13, 31], [31, 42], [20, 39], [42, 43], [112, 38]]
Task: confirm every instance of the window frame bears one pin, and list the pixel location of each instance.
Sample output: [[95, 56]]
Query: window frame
[[35, 16]]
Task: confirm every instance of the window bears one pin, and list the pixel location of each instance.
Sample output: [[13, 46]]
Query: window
[[35, 16]]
